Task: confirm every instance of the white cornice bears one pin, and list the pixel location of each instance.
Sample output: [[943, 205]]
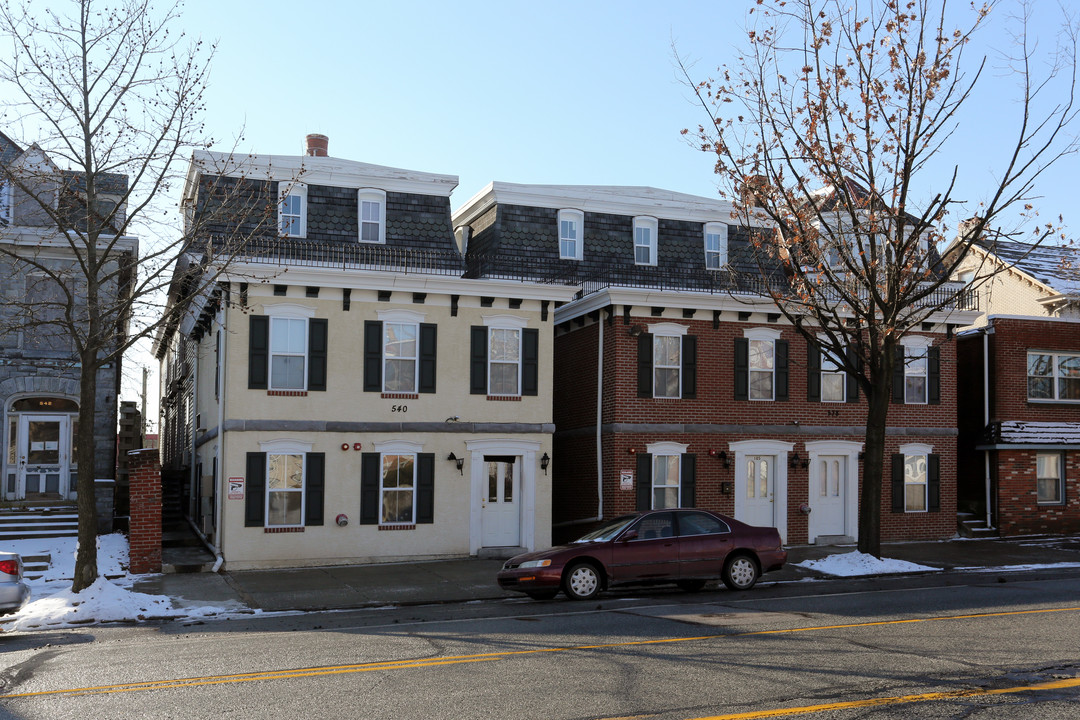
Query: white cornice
[[313, 170], [413, 282], [614, 199]]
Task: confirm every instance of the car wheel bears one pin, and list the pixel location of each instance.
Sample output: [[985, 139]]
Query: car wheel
[[582, 581], [690, 585], [542, 594], [741, 572]]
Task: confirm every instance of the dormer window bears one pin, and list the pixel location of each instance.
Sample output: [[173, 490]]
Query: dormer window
[[645, 241], [371, 209], [292, 210], [571, 236], [715, 245]]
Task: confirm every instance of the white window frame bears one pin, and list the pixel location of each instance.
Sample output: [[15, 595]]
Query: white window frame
[[285, 448], [666, 451], [504, 323], [1055, 376], [912, 454], [650, 224], [576, 219], [1059, 480], [376, 196], [916, 348], [831, 367], [397, 448], [761, 335], [284, 311], [402, 318], [667, 330], [718, 255], [287, 189]]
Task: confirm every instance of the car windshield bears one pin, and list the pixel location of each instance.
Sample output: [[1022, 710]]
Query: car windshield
[[606, 531]]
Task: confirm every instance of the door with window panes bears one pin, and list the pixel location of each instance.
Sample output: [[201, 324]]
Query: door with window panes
[[828, 483], [500, 515], [760, 481], [42, 456]]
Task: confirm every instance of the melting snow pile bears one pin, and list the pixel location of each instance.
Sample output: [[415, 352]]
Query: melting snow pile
[[852, 564]]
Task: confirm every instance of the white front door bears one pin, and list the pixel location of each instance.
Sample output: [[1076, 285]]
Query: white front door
[[500, 514], [760, 487], [828, 490], [44, 443]]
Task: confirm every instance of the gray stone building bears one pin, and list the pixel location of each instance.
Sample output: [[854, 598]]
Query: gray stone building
[[39, 367]]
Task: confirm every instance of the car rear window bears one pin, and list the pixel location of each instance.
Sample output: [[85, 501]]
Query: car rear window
[[701, 524]]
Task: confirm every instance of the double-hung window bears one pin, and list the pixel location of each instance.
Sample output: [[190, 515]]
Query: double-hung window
[[397, 485], [667, 366], [397, 489], [716, 236], [288, 353], [284, 489], [667, 362], [833, 379], [1053, 376], [504, 357], [665, 481], [916, 374], [504, 361], [571, 236], [285, 486], [645, 240], [762, 369], [761, 365], [665, 476], [1050, 478], [914, 483], [916, 479], [400, 357], [292, 209], [371, 211]]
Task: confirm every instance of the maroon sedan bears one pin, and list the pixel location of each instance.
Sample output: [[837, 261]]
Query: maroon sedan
[[686, 547]]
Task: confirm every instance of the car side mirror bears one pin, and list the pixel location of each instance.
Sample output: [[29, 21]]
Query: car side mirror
[[629, 535]]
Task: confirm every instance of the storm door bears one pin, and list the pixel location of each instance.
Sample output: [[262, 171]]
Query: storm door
[[500, 515], [43, 457]]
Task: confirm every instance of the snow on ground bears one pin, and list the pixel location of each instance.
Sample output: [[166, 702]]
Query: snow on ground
[[855, 563], [53, 605]]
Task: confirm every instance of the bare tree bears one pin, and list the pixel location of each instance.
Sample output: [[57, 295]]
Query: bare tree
[[831, 127], [112, 96]]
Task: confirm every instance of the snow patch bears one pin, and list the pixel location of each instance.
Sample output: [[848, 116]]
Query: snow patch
[[852, 564]]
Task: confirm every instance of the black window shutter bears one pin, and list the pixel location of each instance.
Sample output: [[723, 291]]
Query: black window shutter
[[898, 376], [255, 492], [781, 378], [898, 483], [314, 488], [317, 351], [373, 347], [852, 379], [425, 488], [258, 351], [933, 482], [813, 372], [370, 471], [688, 480], [689, 366], [530, 361], [742, 369], [428, 345], [478, 349], [644, 481], [933, 376], [644, 365]]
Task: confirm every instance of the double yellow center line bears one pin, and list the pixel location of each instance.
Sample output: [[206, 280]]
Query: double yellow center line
[[483, 657]]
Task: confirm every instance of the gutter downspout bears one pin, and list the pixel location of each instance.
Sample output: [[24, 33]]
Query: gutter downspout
[[219, 482], [599, 421], [986, 418]]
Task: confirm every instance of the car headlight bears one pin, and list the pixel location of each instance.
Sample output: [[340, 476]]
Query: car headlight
[[535, 563]]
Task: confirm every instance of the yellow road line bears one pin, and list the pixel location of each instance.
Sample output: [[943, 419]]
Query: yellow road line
[[875, 702], [458, 659]]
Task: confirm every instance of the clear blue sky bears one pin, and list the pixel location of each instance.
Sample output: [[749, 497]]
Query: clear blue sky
[[552, 92]]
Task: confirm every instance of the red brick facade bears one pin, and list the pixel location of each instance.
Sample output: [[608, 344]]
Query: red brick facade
[[144, 538], [714, 419], [1013, 483]]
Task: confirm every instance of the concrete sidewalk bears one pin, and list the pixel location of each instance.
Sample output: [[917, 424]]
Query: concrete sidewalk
[[471, 579]]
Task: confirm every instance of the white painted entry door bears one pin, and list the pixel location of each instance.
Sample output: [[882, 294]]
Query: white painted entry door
[[500, 514], [760, 481], [828, 485], [42, 470]]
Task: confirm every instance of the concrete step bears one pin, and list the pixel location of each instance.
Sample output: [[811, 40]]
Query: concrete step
[[34, 566], [970, 525], [38, 522]]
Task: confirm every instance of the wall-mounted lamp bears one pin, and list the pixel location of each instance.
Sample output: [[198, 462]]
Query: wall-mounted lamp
[[721, 455], [632, 451], [795, 461], [459, 462], [544, 460], [862, 455], [636, 330]]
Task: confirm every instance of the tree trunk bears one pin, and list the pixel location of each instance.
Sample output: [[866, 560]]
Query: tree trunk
[[86, 569], [873, 473]]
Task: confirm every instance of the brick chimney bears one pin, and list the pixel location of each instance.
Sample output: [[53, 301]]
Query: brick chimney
[[317, 145]]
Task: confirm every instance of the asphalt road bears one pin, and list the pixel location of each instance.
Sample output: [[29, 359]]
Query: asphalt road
[[965, 646]]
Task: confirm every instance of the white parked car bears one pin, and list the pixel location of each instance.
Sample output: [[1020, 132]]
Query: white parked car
[[13, 591]]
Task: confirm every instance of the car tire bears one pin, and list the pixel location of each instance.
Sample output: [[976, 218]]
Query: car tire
[[690, 585], [542, 594], [581, 581], [741, 572]]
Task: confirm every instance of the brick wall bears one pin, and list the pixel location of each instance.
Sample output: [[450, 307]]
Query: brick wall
[[1009, 345], [144, 536], [1019, 511]]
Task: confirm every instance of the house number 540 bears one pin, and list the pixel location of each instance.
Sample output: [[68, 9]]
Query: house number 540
[[399, 408]]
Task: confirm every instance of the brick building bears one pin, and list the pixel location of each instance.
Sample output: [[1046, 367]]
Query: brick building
[[678, 383]]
